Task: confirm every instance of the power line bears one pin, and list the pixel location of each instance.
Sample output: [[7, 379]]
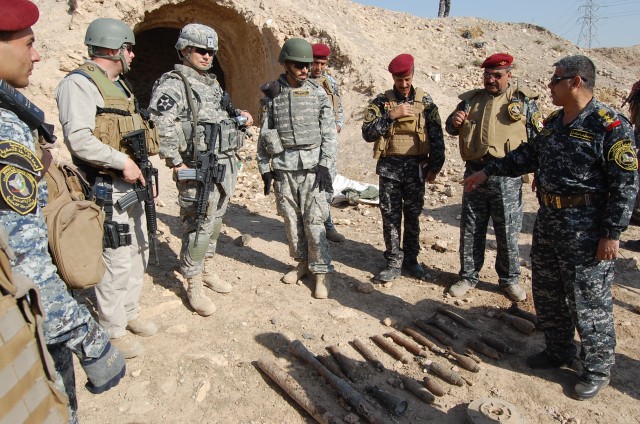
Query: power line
[[588, 31]]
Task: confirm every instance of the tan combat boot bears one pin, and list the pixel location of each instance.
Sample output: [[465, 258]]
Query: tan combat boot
[[296, 274], [198, 300], [216, 283], [322, 286], [128, 346], [141, 327]]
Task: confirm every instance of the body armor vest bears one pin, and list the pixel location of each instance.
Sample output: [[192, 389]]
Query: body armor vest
[[489, 128], [119, 115], [324, 82], [406, 136], [303, 129]]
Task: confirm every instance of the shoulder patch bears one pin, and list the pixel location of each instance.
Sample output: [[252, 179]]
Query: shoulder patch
[[165, 103], [19, 155], [372, 113], [624, 155], [19, 189], [608, 121], [536, 120]]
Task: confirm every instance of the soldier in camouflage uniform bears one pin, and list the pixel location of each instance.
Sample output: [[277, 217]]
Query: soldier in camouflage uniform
[[176, 111], [68, 327], [405, 125], [321, 53], [490, 122], [634, 114], [297, 150], [586, 176]]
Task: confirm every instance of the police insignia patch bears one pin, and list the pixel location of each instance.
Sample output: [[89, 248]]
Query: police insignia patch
[[515, 110], [14, 153], [18, 189], [164, 103], [624, 155], [536, 120], [371, 113], [582, 134]]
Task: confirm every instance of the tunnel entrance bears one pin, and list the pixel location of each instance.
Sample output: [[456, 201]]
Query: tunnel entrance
[[247, 55]]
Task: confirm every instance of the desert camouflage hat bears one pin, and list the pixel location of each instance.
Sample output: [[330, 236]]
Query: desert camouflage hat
[[197, 35]]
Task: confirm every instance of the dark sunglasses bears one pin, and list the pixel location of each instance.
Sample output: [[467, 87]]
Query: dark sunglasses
[[301, 65], [556, 79], [204, 52]]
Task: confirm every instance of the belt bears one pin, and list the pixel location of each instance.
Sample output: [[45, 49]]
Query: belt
[[562, 202]]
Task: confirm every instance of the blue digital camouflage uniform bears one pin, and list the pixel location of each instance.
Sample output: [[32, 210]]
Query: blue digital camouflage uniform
[[401, 189], [67, 327], [499, 199], [302, 205], [595, 155]]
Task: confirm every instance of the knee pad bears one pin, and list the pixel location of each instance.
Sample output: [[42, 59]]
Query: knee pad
[[198, 251]]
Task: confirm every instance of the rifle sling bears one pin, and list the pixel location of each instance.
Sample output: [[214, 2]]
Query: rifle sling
[[194, 114]]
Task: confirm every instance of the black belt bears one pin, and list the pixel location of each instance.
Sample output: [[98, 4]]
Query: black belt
[[579, 200]]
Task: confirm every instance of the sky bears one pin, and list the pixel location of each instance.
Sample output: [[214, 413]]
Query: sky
[[616, 23]]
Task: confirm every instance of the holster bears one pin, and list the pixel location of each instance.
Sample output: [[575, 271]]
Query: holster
[[116, 235]]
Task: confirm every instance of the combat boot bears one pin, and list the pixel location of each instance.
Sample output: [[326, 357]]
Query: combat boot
[[141, 327], [322, 286], [198, 300], [296, 274], [128, 346], [335, 236], [515, 292], [216, 283]]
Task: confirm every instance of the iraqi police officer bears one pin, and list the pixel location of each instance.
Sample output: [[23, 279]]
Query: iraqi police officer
[[96, 109], [185, 103], [68, 327], [404, 125], [490, 122], [586, 176], [318, 74], [633, 100], [297, 145]]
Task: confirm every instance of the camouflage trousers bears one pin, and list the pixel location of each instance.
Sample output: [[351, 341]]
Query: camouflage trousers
[[65, 377], [333, 172], [500, 199], [304, 209], [571, 289], [398, 198]]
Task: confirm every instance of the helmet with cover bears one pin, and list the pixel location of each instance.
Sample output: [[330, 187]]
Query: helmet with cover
[[199, 36], [111, 34]]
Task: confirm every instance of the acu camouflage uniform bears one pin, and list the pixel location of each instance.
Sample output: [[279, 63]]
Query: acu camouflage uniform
[[495, 126], [401, 188], [594, 155], [68, 327], [172, 115], [309, 139]]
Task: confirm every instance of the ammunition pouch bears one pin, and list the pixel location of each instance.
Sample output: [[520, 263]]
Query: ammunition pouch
[[272, 141], [231, 138], [116, 235]]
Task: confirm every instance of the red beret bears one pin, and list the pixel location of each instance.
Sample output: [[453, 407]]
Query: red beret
[[321, 50], [497, 61], [401, 64], [17, 15]]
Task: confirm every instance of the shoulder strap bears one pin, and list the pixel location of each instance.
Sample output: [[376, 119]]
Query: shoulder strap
[[194, 112]]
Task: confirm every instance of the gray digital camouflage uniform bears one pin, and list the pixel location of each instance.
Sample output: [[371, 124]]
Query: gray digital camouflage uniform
[[401, 189], [593, 155], [299, 201], [171, 113], [67, 327], [499, 199]]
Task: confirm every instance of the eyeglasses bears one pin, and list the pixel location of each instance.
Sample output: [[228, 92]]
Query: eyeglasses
[[127, 47], [556, 79], [204, 52], [301, 65], [495, 75]]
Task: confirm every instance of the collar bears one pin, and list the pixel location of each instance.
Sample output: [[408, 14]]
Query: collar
[[189, 72]]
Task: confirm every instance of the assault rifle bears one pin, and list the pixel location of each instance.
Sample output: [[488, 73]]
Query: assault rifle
[[137, 142], [207, 172]]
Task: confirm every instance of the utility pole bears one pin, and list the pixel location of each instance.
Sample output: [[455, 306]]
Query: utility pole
[[588, 30]]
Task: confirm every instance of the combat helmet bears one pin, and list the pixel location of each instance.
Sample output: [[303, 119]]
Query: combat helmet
[[296, 50], [110, 34], [196, 35]]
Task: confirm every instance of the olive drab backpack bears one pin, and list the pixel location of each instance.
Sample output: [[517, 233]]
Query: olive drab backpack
[[75, 224], [27, 392]]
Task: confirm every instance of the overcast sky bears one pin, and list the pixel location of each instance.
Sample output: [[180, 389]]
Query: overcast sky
[[616, 25]]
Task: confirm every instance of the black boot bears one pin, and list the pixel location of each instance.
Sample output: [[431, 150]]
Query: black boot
[[587, 388], [388, 274], [542, 360]]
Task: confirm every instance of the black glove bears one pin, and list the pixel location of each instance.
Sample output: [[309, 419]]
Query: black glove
[[105, 371], [323, 179], [267, 177]]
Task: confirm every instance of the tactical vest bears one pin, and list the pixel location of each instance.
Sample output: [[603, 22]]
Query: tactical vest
[[489, 128], [27, 392], [119, 115], [303, 129], [333, 96], [406, 136]]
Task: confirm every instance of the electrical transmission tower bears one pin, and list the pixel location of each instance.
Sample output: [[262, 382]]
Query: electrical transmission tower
[[588, 30]]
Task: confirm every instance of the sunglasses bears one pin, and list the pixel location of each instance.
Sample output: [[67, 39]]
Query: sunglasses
[[495, 75], [301, 65], [204, 52]]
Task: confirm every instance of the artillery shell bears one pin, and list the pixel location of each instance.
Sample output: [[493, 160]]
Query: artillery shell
[[391, 349], [486, 350], [343, 361], [464, 361], [522, 325], [368, 354], [433, 386], [514, 310], [434, 332], [443, 327], [421, 339], [497, 344], [446, 374], [456, 318], [331, 365], [418, 390], [410, 345]]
